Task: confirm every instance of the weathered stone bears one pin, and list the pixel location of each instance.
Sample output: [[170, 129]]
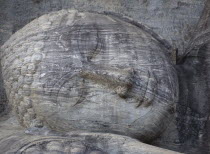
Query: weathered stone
[[92, 66], [174, 20], [77, 143]]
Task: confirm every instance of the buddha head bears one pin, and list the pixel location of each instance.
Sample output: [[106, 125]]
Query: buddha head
[[71, 70]]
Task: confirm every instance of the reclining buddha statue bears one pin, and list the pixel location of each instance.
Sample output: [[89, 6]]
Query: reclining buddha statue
[[84, 82]]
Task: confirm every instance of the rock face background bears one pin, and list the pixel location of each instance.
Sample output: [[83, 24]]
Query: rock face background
[[176, 21]]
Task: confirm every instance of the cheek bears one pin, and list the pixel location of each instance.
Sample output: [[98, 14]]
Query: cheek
[[97, 104]]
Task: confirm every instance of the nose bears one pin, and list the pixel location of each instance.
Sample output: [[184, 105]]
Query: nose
[[120, 80]]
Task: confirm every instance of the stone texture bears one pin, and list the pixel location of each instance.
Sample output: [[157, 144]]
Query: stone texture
[[176, 21], [76, 143], [85, 71]]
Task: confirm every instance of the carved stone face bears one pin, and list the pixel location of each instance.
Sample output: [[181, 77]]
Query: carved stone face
[[85, 71]]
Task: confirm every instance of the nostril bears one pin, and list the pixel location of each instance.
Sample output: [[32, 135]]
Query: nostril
[[121, 91]]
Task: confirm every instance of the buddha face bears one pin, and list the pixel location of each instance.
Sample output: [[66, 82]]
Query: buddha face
[[92, 72]]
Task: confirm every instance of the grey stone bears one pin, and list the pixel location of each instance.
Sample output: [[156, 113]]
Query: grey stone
[[102, 61], [174, 20], [77, 143]]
